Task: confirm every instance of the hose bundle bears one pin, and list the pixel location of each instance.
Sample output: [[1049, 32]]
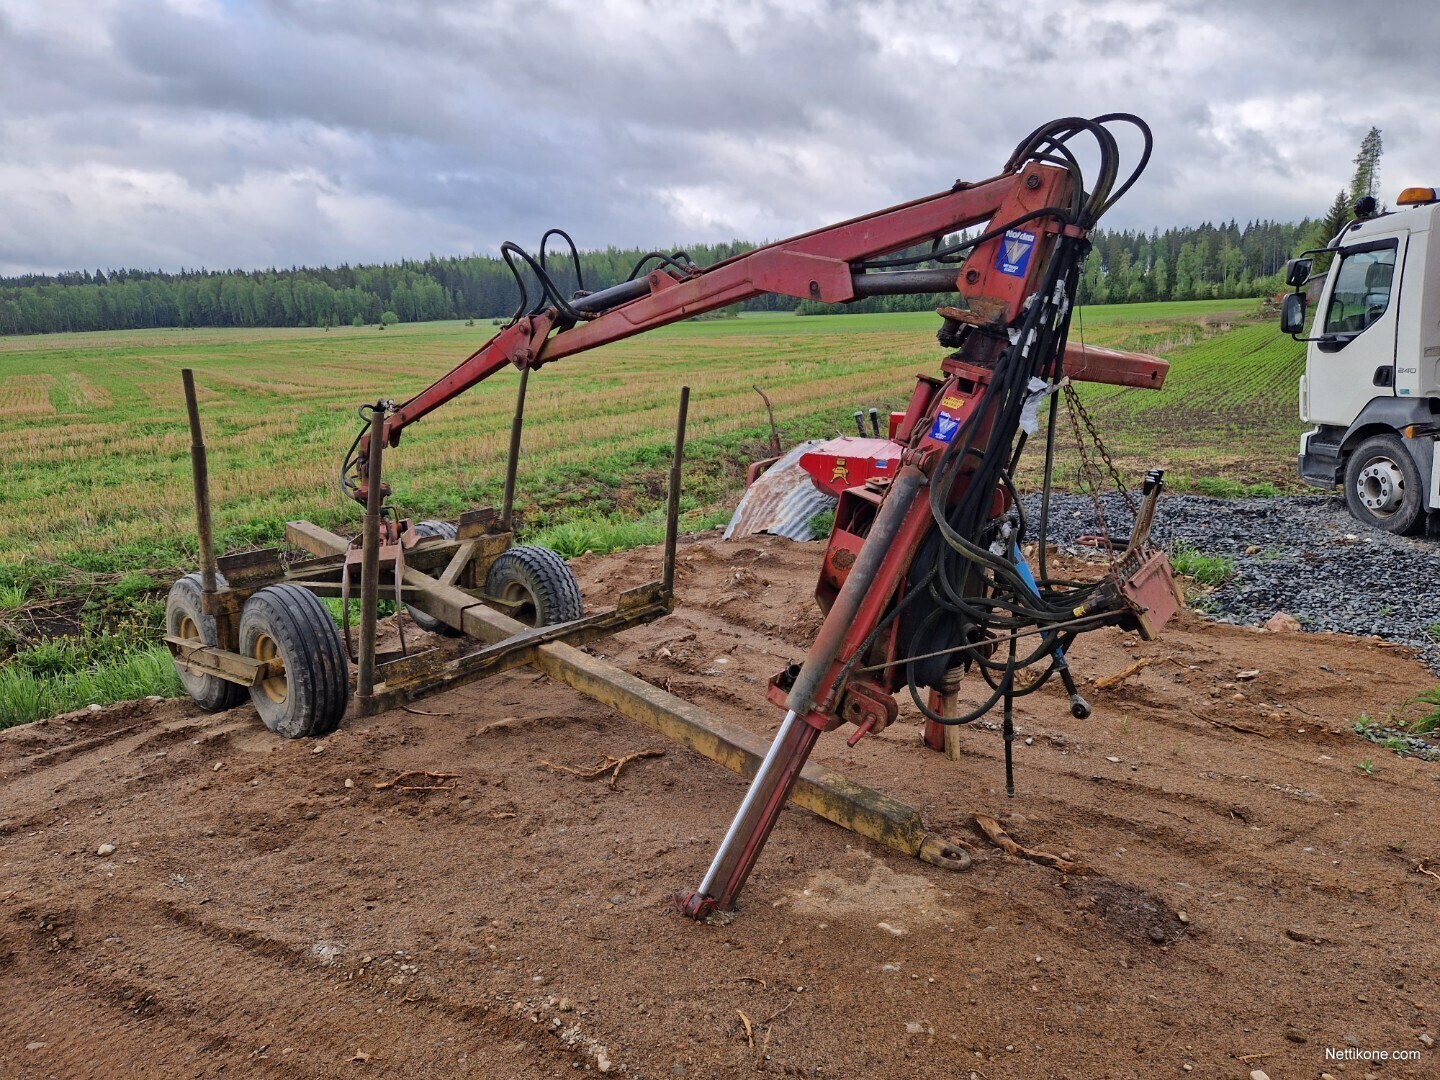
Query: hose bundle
[[968, 591]]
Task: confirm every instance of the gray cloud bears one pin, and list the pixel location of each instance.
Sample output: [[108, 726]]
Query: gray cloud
[[172, 133]]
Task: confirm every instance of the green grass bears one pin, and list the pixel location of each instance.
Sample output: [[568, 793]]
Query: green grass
[[27, 695], [1226, 422], [96, 512], [601, 535], [1221, 488], [97, 477], [822, 524], [1429, 720], [1199, 567]]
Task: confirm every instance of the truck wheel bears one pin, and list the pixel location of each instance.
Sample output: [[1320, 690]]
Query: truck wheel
[[428, 623], [540, 581], [310, 697], [1383, 486], [183, 618]]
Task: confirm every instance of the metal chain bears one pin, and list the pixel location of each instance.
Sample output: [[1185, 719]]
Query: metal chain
[[1120, 484], [1090, 474]]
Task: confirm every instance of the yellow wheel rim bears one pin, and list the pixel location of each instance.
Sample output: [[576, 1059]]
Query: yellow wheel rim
[[264, 648], [186, 628]]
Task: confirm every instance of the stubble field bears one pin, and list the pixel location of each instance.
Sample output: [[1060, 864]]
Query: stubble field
[[93, 435]]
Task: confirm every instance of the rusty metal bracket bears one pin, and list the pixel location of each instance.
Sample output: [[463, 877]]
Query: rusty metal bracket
[[202, 659], [426, 673]]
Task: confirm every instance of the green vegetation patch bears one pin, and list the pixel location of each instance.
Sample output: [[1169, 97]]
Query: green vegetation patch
[[98, 511], [30, 692]]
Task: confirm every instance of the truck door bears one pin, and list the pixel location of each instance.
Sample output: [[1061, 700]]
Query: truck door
[[1352, 359]]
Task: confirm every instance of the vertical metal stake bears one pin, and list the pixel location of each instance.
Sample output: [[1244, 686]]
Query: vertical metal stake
[[950, 707], [202, 489], [370, 556], [672, 510], [512, 464]]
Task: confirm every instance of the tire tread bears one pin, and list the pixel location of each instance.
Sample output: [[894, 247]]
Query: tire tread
[[317, 673], [428, 530], [1409, 518], [548, 577], [214, 694]]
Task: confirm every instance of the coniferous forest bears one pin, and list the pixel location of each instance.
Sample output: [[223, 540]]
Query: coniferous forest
[[1200, 262]]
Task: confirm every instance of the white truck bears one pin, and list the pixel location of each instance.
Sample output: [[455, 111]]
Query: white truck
[[1372, 364]]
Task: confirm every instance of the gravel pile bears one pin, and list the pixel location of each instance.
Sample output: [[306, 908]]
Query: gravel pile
[[1304, 555]]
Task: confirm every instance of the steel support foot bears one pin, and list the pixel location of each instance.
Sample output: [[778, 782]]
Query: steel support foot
[[757, 816]]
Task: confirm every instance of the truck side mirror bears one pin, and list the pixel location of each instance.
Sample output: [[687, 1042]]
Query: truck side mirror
[[1297, 272], [1292, 312]]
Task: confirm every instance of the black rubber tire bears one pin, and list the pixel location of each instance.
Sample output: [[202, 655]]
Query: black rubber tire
[[1381, 469], [428, 623], [541, 580], [183, 618], [310, 699]]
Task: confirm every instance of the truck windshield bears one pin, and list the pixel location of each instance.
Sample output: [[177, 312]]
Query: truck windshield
[[1362, 290]]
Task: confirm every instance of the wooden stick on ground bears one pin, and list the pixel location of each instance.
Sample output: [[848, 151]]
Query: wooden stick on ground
[[1228, 724], [594, 772], [1105, 682], [394, 782], [769, 1024], [1002, 840]]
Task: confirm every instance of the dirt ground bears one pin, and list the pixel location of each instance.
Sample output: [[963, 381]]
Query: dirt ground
[[1258, 891]]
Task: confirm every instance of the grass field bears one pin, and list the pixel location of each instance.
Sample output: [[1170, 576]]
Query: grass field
[[96, 509], [93, 435], [1227, 422]]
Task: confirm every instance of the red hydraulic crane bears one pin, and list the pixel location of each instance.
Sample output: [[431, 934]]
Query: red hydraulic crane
[[922, 578]]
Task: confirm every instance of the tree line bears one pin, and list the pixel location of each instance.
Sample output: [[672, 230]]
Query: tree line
[[1199, 262], [413, 290]]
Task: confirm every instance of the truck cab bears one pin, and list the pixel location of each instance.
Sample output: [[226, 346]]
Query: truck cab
[[1371, 386]]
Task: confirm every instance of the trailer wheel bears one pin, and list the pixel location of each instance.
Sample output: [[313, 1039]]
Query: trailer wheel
[[1383, 486], [540, 581], [183, 618], [428, 623], [310, 697]]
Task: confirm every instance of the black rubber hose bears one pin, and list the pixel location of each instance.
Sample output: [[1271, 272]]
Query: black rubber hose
[[574, 256]]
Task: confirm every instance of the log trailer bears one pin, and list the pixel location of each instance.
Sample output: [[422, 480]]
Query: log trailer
[[922, 579]]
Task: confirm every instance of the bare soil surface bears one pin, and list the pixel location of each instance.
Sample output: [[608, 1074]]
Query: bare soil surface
[[1256, 889]]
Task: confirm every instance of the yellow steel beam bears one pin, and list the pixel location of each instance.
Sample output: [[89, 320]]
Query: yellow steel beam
[[819, 790]]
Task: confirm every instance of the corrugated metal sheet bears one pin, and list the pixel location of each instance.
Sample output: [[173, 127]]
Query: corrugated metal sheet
[[782, 501]]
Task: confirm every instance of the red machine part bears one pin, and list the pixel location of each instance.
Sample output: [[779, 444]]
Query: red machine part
[[813, 266], [885, 511], [853, 461], [850, 461]]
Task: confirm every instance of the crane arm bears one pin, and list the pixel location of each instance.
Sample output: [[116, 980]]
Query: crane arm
[[824, 265]]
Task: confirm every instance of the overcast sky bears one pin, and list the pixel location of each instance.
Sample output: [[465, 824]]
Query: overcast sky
[[250, 133]]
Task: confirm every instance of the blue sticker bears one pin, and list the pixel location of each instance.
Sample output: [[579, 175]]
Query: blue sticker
[[944, 427], [1014, 255], [882, 464]]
